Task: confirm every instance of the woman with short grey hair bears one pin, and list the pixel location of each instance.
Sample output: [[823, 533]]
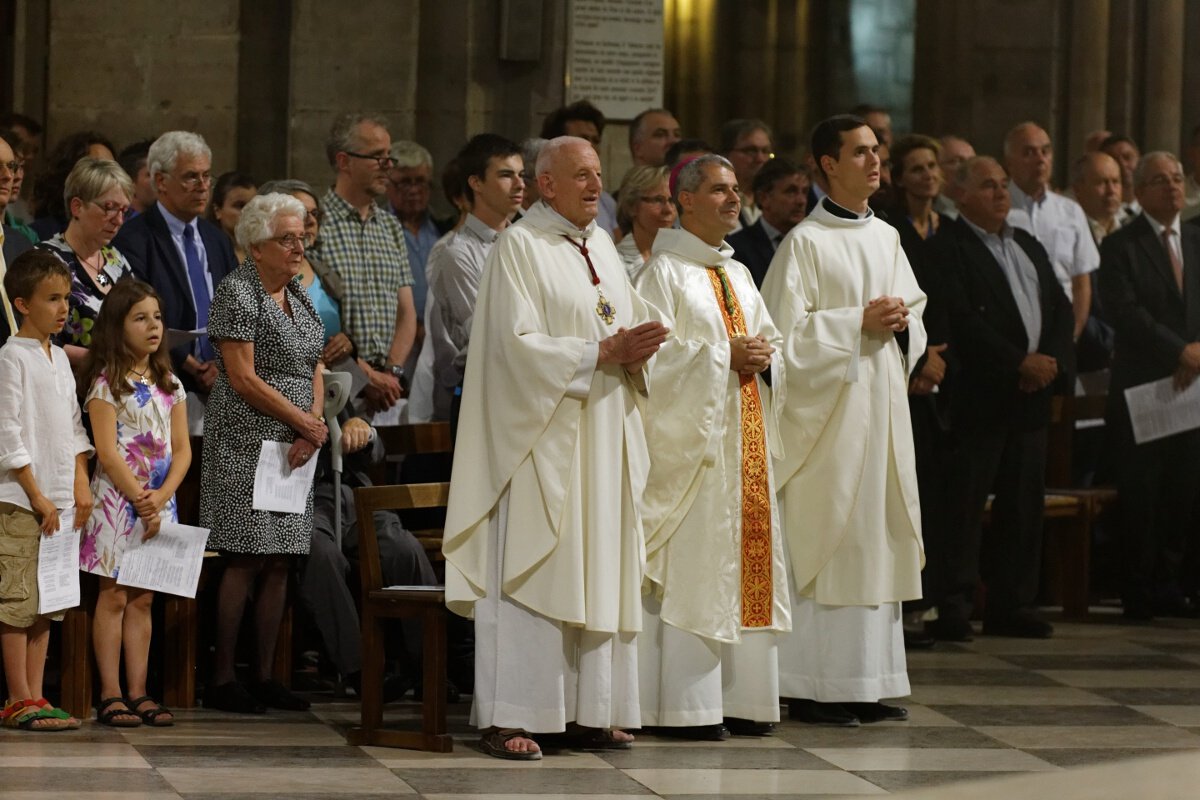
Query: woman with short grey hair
[[268, 390], [97, 196]]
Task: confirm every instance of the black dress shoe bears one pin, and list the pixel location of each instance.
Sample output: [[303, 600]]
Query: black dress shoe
[[394, 686], [876, 712], [695, 733], [950, 629], [748, 727], [274, 694], [815, 713], [918, 639], [233, 697], [1021, 625]]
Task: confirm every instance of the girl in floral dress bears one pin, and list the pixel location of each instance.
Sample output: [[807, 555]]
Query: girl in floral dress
[[139, 422]]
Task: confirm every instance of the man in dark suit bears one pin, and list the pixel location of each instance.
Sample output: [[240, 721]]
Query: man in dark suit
[[177, 252], [1011, 329], [781, 191], [1150, 288]]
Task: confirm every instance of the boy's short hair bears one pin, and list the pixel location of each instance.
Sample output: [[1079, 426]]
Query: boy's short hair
[[31, 268]]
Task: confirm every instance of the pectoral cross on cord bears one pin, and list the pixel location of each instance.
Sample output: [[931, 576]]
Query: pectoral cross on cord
[[604, 309]]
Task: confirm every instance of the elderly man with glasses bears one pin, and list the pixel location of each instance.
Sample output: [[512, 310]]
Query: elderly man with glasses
[[365, 245], [183, 256]]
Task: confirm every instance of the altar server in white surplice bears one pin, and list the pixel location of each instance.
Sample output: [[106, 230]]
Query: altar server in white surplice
[[716, 577], [844, 295], [543, 537]]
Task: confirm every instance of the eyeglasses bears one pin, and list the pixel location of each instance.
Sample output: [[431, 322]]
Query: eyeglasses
[[1158, 181], [410, 183], [193, 180], [316, 215], [14, 167], [289, 242], [751, 150], [384, 162], [111, 210]]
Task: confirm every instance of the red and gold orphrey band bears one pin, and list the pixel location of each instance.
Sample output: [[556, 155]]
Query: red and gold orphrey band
[[757, 586]]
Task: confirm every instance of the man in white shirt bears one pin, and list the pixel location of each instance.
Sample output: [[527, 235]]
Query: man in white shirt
[[1057, 222], [491, 166]]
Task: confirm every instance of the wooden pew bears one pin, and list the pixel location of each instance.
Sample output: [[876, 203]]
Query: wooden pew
[[380, 603]]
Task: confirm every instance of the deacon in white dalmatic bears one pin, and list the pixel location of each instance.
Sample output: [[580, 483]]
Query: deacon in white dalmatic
[[715, 564], [543, 537], [844, 295]]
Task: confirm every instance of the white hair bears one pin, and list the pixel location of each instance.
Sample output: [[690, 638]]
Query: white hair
[[167, 148], [260, 216], [410, 154], [1143, 165], [551, 149]]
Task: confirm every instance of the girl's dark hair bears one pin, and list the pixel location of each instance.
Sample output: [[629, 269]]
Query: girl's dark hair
[[109, 353], [48, 188], [226, 183]]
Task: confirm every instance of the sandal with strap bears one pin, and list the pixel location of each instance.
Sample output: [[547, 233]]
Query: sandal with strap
[[151, 715], [580, 737], [27, 715], [493, 744], [116, 717], [73, 724]]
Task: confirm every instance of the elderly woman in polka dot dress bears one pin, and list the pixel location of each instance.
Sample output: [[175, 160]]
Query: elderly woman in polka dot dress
[[268, 389]]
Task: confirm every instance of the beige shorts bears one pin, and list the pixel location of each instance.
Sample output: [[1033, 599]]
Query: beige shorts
[[20, 537]]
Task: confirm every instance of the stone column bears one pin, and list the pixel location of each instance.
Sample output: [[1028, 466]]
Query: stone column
[[1164, 74], [1087, 81]]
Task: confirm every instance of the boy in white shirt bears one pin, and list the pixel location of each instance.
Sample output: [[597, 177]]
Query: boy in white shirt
[[43, 468]]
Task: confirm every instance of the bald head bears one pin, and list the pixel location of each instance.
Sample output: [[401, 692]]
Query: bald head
[[1029, 158], [568, 177], [955, 150]]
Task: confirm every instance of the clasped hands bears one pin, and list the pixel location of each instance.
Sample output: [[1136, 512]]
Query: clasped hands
[[749, 355], [313, 433], [632, 347], [1036, 371], [885, 315]]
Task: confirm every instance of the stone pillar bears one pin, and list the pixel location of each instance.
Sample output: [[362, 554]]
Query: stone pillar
[[1164, 75], [349, 57], [1087, 80], [154, 66]]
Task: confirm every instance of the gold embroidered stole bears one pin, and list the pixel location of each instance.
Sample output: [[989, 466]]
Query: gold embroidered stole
[[757, 586]]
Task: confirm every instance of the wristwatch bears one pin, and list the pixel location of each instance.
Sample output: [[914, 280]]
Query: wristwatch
[[397, 372]]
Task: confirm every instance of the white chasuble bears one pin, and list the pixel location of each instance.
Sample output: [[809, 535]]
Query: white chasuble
[[714, 552], [847, 478], [558, 436]]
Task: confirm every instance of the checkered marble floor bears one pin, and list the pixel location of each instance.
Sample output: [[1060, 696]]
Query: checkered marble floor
[[989, 719]]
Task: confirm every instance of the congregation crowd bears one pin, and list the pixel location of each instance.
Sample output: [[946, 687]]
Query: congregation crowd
[[725, 434]]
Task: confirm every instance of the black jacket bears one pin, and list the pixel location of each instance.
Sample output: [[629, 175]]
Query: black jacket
[[988, 336], [752, 247], [1152, 320]]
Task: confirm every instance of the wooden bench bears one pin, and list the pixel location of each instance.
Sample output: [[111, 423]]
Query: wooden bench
[[380, 603]]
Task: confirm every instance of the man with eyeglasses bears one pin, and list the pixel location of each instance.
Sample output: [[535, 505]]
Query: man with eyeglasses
[[748, 146], [1150, 289], [410, 183], [365, 245], [178, 252], [14, 243]]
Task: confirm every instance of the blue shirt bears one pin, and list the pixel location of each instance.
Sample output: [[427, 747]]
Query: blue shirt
[[419, 246], [327, 308]]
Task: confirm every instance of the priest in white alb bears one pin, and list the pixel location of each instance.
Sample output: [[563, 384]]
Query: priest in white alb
[[844, 295], [715, 568], [543, 538]]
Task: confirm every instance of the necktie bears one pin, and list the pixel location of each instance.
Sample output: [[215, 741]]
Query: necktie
[[198, 279], [1176, 264]]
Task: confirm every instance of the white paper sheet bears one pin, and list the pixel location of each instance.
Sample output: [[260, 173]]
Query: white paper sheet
[[408, 588], [177, 337], [170, 562], [58, 566], [1157, 410], [278, 487]]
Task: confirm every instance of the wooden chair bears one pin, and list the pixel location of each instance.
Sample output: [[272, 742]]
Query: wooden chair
[[380, 603]]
